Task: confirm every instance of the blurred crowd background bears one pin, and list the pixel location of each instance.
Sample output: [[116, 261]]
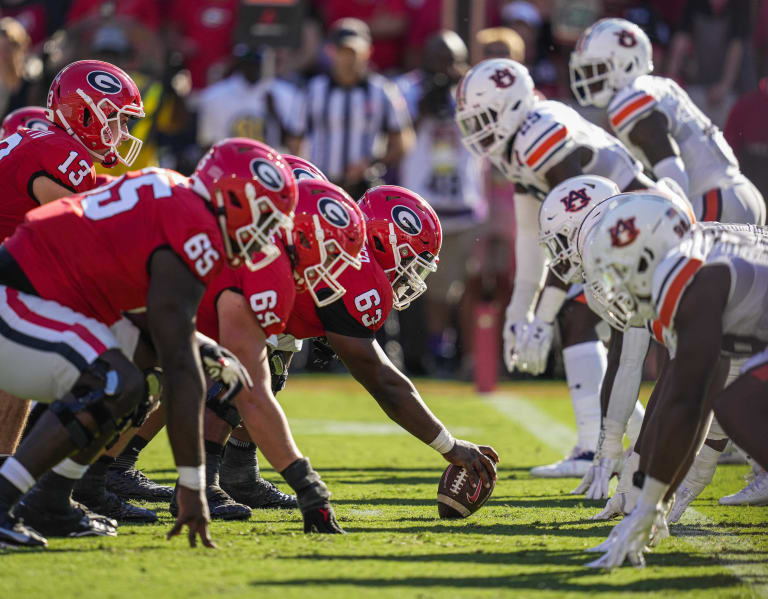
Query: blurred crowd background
[[363, 88]]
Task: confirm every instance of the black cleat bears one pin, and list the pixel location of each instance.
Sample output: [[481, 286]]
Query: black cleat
[[259, 493], [134, 484], [110, 505], [14, 533], [221, 505], [72, 521]]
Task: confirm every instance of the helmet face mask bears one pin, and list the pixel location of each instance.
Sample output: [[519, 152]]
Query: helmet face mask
[[564, 260], [409, 274], [591, 82]]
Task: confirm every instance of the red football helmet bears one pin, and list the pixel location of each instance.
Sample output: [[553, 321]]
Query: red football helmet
[[254, 193], [328, 234], [89, 99], [28, 117], [304, 169], [404, 235]]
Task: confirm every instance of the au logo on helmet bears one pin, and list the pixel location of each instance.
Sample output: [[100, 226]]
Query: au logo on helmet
[[333, 212], [267, 174], [626, 38], [577, 199], [623, 232], [106, 83], [503, 78], [406, 220]]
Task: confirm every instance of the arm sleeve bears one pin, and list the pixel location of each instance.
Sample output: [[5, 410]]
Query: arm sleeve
[[626, 383], [530, 268]]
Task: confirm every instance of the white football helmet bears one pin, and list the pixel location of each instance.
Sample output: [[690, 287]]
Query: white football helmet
[[492, 100], [560, 217], [608, 56], [624, 246]]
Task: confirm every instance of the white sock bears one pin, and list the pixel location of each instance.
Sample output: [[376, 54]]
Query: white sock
[[702, 469], [630, 467], [70, 469], [16, 474], [585, 365], [635, 422]]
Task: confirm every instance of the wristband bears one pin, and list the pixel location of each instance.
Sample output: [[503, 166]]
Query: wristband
[[653, 491], [550, 302], [444, 441], [613, 434], [192, 477]]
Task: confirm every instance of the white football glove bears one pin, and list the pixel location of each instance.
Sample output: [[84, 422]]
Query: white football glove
[[511, 330], [620, 503], [629, 538], [597, 479], [533, 344]]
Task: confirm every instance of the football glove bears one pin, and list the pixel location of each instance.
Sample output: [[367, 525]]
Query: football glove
[[313, 498], [278, 368], [533, 345], [629, 538], [222, 366], [511, 330]]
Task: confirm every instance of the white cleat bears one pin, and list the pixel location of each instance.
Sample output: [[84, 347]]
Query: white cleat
[[755, 493], [574, 465]]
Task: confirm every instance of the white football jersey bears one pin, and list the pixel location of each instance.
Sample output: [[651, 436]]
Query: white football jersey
[[551, 131], [708, 158], [744, 250]]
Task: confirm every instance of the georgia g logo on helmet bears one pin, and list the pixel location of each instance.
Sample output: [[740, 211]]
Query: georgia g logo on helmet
[[267, 174], [333, 212], [104, 82], [406, 220]]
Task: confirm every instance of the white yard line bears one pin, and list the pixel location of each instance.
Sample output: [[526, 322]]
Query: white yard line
[[723, 545]]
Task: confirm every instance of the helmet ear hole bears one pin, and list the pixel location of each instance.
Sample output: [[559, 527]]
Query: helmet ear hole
[[377, 244], [87, 118], [234, 199]]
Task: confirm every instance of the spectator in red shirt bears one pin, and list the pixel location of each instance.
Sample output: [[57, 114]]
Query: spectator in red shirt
[[387, 20], [206, 28], [40, 18], [747, 133]]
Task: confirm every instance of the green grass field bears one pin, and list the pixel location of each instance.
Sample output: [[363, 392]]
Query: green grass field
[[528, 541]]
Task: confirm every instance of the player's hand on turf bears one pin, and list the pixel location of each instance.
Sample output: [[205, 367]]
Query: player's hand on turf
[[532, 346], [193, 512], [322, 520], [479, 460], [629, 539], [597, 479]]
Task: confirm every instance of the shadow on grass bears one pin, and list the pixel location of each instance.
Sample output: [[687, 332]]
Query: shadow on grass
[[557, 581], [475, 528]]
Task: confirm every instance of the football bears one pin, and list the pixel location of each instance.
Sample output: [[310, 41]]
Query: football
[[458, 496]]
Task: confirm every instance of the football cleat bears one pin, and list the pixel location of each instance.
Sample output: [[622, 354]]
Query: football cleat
[[260, 494], [755, 493], [14, 533], [73, 521], [134, 484], [574, 465], [108, 504], [221, 505]]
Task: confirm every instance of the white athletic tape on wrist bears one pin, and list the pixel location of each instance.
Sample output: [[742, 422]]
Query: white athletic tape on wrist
[[444, 442], [192, 477], [612, 439], [552, 299], [653, 491]]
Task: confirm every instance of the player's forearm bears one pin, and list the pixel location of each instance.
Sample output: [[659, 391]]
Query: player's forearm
[[623, 392], [530, 268], [184, 398], [265, 421]]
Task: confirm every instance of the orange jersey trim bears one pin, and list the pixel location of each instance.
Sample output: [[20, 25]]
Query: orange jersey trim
[[628, 110], [546, 145], [675, 291]]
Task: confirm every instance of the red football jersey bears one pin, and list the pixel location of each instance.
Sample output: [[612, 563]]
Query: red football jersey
[[91, 252], [269, 291], [360, 312], [28, 154]]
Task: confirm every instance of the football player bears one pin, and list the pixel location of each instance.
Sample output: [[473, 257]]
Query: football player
[[242, 310], [610, 68], [539, 144], [403, 239], [46, 154], [706, 288], [72, 269]]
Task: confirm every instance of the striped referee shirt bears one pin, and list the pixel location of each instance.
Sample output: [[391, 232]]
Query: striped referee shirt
[[344, 125]]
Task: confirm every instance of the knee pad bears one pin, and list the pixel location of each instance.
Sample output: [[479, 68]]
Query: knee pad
[[103, 384], [226, 410]]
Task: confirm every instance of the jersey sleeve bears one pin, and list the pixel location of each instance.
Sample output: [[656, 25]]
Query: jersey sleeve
[[65, 161], [270, 293], [543, 141], [630, 105], [670, 279]]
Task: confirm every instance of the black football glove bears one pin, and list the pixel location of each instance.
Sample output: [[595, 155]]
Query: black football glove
[[222, 366], [278, 368], [322, 353], [313, 498]]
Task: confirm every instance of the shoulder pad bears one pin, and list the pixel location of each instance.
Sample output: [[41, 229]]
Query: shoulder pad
[[541, 135], [631, 102]]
